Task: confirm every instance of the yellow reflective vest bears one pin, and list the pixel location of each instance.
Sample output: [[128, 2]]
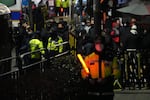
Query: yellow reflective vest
[[52, 44], [58, 3], [65, 4], [36, 44]]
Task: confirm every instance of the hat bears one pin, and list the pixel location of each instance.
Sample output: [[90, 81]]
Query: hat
[[98, 40]]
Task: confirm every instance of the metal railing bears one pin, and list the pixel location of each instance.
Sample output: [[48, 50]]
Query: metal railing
[[20, 58], [18, 82], [133, 68]]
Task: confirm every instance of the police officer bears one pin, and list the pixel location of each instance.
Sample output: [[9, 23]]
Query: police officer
[[58, 7], [53, 41], [65, 5], [100, 78], [35, 44]]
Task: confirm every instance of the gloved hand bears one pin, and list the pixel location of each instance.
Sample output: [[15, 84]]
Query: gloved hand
[[42, 57], [84, 75]]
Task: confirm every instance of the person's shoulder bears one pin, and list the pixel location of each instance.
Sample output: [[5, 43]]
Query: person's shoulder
[[32, 41], [91, 55]]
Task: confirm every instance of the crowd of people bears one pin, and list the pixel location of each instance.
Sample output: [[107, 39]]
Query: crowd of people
[[41, 43], [99, 49], [115, 34], [119, 43]]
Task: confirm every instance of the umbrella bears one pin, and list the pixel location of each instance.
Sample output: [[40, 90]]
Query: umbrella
[[139, 8], [4, 9]]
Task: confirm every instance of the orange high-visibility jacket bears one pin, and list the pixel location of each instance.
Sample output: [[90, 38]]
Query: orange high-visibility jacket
[[92, 62]]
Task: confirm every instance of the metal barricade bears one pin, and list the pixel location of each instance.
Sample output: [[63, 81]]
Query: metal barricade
[[41, 62], [133, 70], [16, 80], [20, 59], [13, 72]]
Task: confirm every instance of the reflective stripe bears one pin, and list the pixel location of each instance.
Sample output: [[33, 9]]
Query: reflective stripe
[[52, 44]]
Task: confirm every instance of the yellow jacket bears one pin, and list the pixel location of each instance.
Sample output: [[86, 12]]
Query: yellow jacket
[[52, 44], [58, 3], [36, 44], [65, 4]]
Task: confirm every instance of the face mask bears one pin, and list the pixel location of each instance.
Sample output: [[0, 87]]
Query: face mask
[[98, 47]]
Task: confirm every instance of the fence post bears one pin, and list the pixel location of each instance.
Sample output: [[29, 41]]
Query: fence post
[[19, 64]]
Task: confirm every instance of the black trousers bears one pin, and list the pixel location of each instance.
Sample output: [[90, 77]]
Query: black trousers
[[94, 90]]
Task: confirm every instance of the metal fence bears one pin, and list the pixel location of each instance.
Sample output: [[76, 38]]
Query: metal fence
[[20, 65], [134, 65], [31, 82], [15, 84]]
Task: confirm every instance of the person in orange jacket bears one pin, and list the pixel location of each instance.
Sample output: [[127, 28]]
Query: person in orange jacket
[[100, 78]]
